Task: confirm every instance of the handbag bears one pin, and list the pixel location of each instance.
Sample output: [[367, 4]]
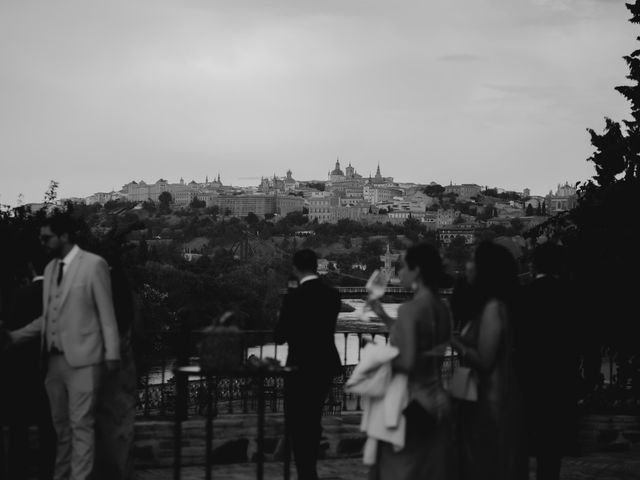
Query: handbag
[[464, 384]]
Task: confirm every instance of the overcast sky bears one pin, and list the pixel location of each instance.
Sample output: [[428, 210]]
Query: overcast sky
[[94, 94]]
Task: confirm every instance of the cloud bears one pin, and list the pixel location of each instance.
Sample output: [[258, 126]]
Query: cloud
[[461, 57], [105, 92]]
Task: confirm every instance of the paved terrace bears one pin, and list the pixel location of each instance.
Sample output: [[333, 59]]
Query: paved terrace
[[602, 466]]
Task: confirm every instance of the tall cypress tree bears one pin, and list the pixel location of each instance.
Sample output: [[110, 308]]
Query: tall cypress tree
[[600, 231]]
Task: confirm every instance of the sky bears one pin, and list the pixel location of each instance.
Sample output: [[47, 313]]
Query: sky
[[494, 92]]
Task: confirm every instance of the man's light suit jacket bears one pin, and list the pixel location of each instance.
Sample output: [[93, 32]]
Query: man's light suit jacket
[[87, 329]]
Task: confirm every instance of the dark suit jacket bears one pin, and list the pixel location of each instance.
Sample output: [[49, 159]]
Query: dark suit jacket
[[308, 323], [548, 346]]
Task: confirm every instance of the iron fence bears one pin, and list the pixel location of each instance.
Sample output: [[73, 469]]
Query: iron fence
[[156, 386]]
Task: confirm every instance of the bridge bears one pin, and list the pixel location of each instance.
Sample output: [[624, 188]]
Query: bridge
[[361, 292], [356, 292]]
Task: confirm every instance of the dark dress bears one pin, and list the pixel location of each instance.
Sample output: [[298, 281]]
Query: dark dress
[[115, 417], [307, 323], [116, 401], [490, 431], [24, 399], [422, 323]]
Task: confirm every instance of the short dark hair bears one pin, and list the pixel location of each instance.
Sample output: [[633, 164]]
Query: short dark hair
[[496, 272], [427, 258], [61, 223], [305, 260]]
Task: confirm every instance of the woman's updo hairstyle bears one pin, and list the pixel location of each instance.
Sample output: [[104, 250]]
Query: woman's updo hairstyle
[[426, 257]]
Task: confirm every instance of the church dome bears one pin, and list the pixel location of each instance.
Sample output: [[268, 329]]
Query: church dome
[[337, 171]]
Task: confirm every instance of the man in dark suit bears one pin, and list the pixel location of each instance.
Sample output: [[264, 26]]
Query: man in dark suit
[[547, 339], [307, 323]]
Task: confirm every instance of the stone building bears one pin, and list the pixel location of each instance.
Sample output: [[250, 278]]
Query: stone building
[[260, 204]]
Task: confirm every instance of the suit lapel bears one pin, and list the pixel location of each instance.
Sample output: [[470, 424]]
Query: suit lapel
[[46, 291], [67, 279], [46, 287]]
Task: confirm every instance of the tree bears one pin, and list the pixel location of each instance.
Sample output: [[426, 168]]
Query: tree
[[434, 190], [165, 200], [486, 213], [516, 226], [296, 218], [214, 211], [457, 252], [143, 251], [316, 185], [197, 203], [604, 264], [52, 192], [252, 219], [529, 211]]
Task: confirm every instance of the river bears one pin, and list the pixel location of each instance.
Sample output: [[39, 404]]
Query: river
[[349, 344]]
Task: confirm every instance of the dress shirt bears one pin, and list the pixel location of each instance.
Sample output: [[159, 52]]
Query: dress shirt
[[52, 307], [69, 258]]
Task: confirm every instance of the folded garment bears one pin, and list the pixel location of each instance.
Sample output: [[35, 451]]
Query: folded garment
[[372, 375]]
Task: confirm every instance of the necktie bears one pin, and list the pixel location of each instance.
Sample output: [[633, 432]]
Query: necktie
[[60, 267]]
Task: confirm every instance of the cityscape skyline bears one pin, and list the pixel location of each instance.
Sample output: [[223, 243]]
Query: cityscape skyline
[[254, 182], [497, 93]]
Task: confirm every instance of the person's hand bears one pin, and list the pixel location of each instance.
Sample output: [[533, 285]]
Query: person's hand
[[376, 307], [112, 365]]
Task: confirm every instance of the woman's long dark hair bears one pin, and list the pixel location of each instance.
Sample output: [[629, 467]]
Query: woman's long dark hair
[[427, 258]]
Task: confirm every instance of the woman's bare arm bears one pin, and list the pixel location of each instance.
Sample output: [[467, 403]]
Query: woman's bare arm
[[483, 355]]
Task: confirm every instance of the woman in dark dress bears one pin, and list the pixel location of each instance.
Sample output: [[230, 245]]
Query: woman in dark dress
[[25, 402], [116, 403], [420, 332], [490, 431]]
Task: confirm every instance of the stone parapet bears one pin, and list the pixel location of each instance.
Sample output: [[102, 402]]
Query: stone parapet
[[235, 439]]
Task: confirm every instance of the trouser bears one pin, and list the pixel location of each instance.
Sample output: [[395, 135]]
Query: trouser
[[71, 394], [305, 395]]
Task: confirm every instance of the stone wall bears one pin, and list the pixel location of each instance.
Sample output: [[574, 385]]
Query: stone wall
[[608, 432], [235, 439]]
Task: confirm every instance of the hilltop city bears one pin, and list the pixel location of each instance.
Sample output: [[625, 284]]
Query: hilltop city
[[450, 211], [454, 209]]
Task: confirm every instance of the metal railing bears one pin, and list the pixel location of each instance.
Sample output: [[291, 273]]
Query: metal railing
[[156, 386]]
